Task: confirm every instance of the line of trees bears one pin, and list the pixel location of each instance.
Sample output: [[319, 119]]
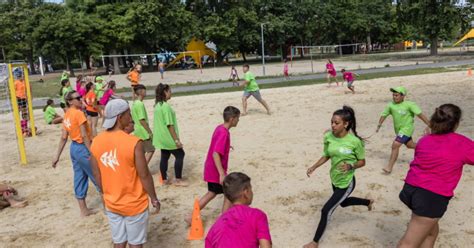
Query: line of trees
[[81, 28]]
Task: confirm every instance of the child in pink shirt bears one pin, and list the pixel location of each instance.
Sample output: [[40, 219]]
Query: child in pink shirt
[[331, 72], [434, 174], [108, 94], [285, 70], [349, 78], [215, 167], [241, 226]]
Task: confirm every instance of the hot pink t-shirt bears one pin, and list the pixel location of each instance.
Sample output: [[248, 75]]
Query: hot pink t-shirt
[[285, 68], [348, 76], [240, 227], [220, 143], [79, 89], [330, 69], [438, 162], [105, 98]]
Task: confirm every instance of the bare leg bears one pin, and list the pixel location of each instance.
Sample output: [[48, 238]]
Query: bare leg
[[265, 105], [57, 120], [83, 207], [122, 245], [135, 246], [94, 125], [431, 239], [311, 244], [328, 77], [411, 144], [205, 199], [352, 89], [393, 157], [148, 157], [418, 230], [244, 105], [12, 202]]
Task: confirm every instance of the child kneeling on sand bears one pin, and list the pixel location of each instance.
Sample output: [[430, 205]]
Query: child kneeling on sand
[[241, 225]]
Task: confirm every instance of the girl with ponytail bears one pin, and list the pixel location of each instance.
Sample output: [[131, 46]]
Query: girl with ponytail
[[434, 174], [345, 149], [166, 135]]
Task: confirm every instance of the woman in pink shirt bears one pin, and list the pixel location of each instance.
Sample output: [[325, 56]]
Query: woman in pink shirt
[[331, 73], [434, 174]]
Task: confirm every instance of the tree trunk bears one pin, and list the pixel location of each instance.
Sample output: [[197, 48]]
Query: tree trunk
[[149, 60], [434, 46], [69, 66], [369, 43], [87, 60], [116, 63], [32, 64], [243, 57]]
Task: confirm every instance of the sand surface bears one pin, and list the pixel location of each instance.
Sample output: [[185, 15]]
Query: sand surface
[[274, 151]]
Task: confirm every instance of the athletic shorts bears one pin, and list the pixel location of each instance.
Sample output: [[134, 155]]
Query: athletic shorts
[[131, 229], [148, 146], [402, 139], [91, 114], [62, 105], [349, 84], [215, 188], [255, 94], [423, 202], [21, 102]]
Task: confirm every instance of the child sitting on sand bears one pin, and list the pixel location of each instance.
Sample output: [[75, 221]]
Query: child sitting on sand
[[7, 198], [215, 168], [241, 225], [50, 115]]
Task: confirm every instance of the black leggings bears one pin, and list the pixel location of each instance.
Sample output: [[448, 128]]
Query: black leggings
[[178, 164], [339, 197]]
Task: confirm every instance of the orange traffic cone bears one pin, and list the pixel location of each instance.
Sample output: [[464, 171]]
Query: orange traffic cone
[[196, 232], [469, 72]]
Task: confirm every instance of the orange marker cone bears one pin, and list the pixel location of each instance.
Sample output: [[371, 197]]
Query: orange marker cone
[[469, 72], [196, 232]]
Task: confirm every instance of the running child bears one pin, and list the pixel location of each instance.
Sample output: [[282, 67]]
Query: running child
[[91, 108], [161, 68], [349, 77], [347, 153], [434, 174], [50, 115], [108, 94], [217, 160], [403, 113], [331, 73], [251, 89], [234, 76], [141, 127], [285, 70], [241, 225], [134, 76]]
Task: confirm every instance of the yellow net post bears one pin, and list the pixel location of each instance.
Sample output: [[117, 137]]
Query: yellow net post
[[30, 100], [16, 116]]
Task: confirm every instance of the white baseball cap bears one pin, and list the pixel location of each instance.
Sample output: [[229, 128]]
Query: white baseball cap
[[113, 108]]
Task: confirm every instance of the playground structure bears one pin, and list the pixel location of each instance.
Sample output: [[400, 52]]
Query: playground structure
[[22, 111], [469, 35], [195, 49]]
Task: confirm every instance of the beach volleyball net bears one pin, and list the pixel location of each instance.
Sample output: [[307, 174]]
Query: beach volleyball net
[[16, 110]]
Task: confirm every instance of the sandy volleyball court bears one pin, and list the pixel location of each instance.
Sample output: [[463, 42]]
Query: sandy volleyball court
[[274, 151]]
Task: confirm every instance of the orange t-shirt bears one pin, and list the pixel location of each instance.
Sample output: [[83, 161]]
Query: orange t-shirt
[[122, 189], [20, 89], [134, 77], [73, 119], [90, 99]]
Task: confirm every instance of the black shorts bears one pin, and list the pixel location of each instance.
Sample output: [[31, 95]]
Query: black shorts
[[92, 114], [21, 102], [215, 188], [423, 202], [402, 139], [62, 105]]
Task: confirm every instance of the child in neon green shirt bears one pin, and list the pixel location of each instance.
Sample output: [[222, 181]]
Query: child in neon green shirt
[[403, 113], [50, 115], [251, 89], [140, 118], [347, 153]]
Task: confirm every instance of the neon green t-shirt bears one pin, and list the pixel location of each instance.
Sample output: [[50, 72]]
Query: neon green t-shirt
[[64, 75], [65, 90], [252, 85], [163, 117], [348, 149], [403, 116], [139, 113], [49, 114], [99, 90]]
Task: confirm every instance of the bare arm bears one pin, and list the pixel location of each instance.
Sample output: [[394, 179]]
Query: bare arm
[[145, 176], [347, 167], [96, 173], [147, 128], [424, 119], [85, 137], [264, 243], [244, 83], [217, 161], [175, 136], [381, 120], [320, 162], [62, 143]]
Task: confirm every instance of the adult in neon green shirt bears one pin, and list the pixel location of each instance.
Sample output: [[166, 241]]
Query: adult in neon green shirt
[[403, 113], [65, 88], [251, 89], [140, 119], [347, 153], [50, 115], [166, 135]]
